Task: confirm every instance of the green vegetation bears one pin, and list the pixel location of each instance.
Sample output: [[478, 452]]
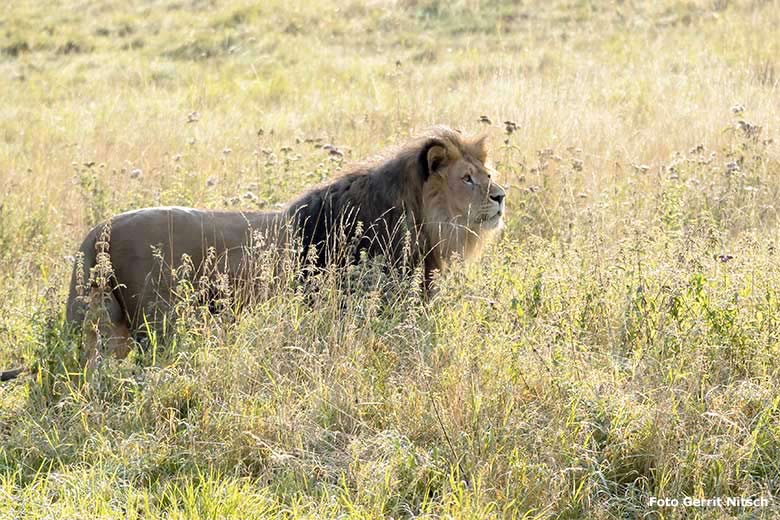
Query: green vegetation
[[620, 342]]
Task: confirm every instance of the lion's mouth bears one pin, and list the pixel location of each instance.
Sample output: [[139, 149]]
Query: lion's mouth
[[493, 219]]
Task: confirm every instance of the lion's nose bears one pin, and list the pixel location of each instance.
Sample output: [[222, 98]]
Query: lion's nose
[[498, 197]]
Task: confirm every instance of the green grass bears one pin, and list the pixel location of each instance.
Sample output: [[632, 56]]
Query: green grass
[[619, 342]]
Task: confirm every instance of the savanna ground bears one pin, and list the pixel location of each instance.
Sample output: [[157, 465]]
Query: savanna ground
[[620, 341]]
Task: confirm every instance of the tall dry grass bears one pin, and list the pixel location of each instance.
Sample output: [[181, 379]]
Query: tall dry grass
[[619, 343]]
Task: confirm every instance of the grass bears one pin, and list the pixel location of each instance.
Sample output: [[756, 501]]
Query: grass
[[620, 341]]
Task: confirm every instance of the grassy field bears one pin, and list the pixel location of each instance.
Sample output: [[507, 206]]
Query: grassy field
[[620, 342]]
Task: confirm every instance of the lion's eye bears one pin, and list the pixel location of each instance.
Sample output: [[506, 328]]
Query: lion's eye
[[468, 180]]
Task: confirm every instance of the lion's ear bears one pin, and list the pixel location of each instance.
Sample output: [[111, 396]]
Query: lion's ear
[[434, 157], [437, 157], [480, 147]]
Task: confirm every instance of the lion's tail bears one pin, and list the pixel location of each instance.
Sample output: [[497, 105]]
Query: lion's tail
[[12, 374], [76, 307], [80, 286]]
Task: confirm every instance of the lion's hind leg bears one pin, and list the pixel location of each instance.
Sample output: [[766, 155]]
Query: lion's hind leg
[[105, 329]]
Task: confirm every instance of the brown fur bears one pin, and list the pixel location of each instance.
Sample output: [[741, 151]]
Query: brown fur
[[435, 192]]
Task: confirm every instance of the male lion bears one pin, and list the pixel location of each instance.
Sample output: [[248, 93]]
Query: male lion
[[421, 204]]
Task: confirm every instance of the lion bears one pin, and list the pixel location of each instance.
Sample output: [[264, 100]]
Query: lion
[[424, 203]]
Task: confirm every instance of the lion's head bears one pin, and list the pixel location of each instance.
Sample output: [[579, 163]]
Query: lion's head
[[459, 187], [438, 188], [462, 202]]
